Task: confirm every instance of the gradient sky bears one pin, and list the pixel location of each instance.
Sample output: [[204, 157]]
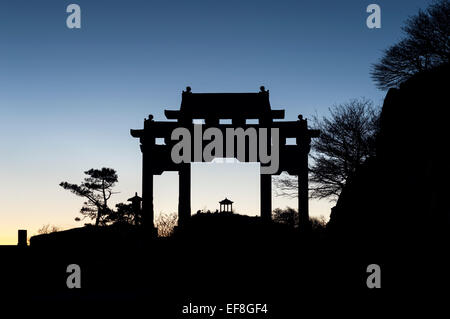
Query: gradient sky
[[68, 98]]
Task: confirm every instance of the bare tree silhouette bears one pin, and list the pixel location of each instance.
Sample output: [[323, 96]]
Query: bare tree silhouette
[[47, 229], [346, 140], [426, 45], [97, 189]]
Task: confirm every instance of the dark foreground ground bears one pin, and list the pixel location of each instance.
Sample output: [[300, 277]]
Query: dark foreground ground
[[293, 274]]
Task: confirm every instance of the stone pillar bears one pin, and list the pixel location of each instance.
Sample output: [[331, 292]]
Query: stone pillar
[[147, 190], [184, 194], [304, 145], [22, 238], [303, 194], [266, 197], [265, 121]]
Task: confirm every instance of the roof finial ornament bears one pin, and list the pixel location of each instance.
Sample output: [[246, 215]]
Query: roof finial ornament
[[188, 89], [262, 89]]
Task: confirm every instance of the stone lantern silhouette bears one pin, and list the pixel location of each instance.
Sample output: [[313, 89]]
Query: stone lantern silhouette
[[226, 206]]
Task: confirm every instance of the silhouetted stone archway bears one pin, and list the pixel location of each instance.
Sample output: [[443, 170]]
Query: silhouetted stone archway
[[212, 107]]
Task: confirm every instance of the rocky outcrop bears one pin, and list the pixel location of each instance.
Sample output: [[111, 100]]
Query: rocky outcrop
[[400, 196]]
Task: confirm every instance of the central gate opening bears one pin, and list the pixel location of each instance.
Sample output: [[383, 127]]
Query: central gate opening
[[212, 182]]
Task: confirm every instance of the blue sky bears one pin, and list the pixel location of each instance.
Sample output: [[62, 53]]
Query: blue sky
[[69, 97]]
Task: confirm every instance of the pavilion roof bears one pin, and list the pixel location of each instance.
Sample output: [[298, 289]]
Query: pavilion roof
[[226, 201], [135, 198]]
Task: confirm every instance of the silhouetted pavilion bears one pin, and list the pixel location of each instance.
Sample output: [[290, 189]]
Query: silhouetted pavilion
[[136, 206], [226, 205]]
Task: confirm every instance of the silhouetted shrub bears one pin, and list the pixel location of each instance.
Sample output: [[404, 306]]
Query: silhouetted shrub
[[288, 216], [165, 223], [47, 229]]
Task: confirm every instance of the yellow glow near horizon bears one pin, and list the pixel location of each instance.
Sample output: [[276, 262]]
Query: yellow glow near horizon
[[47, 203]]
